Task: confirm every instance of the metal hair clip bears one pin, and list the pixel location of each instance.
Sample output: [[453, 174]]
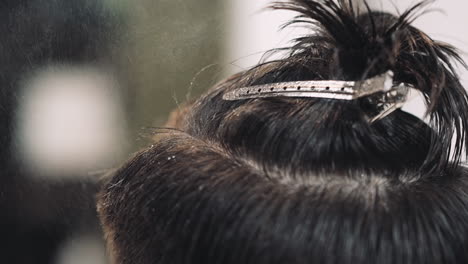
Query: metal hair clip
[[341, 90], [386, 103], [380, 91]]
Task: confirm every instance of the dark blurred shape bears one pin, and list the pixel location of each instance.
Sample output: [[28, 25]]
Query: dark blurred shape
[[37, 214], [158, 48]]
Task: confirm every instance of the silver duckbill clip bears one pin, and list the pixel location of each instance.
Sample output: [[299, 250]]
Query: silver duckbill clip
[[381, 92]]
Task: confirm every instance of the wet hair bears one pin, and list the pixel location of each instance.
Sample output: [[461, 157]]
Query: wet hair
[[293, 180]]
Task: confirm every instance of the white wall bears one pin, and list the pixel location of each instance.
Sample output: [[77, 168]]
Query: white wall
[[254, 30]]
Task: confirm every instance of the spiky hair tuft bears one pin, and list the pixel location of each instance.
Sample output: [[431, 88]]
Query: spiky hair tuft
[[359, 44]]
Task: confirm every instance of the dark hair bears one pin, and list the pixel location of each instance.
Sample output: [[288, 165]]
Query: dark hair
[[283, 180]]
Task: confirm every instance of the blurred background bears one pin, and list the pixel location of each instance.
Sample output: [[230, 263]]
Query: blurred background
[[76, 119]]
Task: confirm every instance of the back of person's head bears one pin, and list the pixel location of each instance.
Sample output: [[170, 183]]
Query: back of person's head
[[306, 180]]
